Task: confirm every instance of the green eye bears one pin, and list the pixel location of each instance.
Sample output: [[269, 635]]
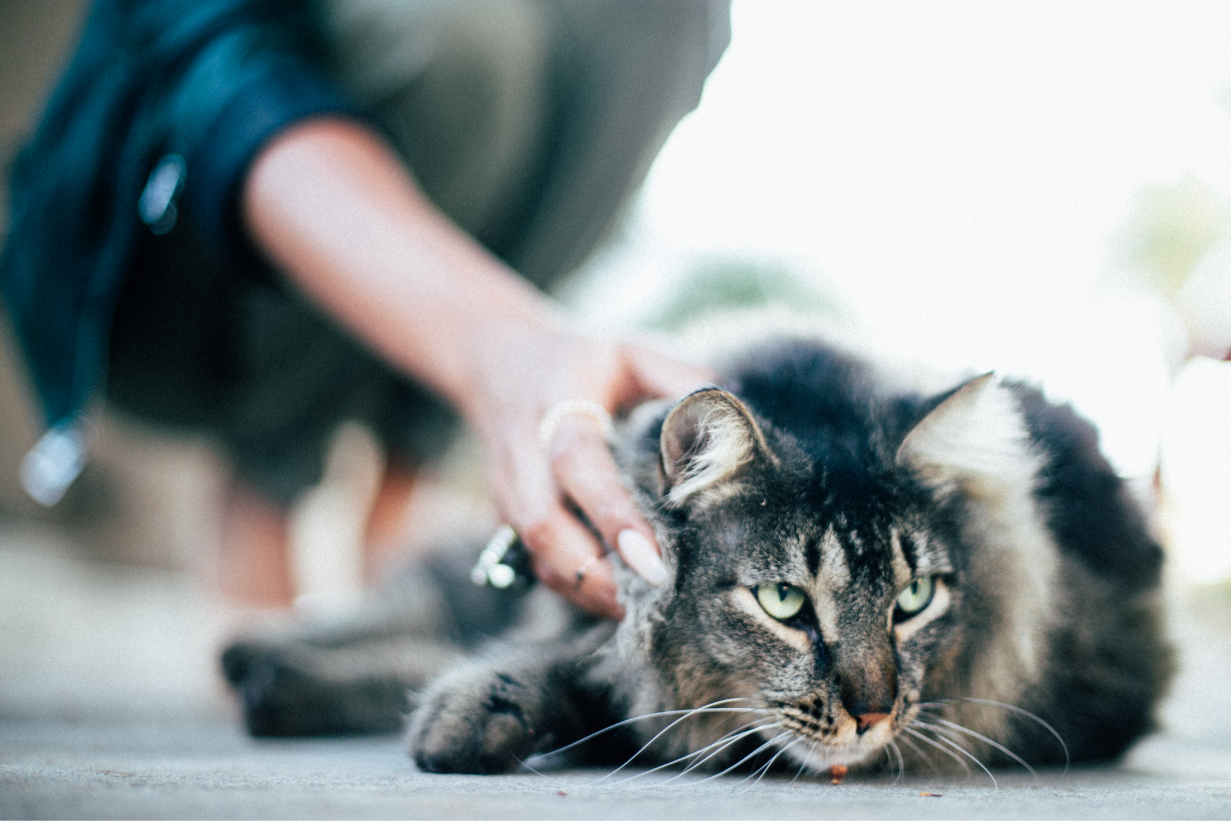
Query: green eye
[[780, 600], [912, 600]]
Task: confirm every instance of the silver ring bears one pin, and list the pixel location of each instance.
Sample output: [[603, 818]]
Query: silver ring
[[584, 407], [490, 568]]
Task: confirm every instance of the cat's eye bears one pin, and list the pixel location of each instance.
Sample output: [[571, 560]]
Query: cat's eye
[[781, 600], [914, 598]]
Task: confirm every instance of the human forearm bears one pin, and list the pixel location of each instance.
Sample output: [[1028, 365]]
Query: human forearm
[[333, 208]]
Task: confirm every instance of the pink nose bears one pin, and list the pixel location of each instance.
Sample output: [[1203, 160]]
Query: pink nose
[[866, 720]]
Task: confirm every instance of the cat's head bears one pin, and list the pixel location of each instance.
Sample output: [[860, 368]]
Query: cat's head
[[820, 580]]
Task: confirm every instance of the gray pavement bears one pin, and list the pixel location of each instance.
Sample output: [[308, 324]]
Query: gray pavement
[[110, 707]]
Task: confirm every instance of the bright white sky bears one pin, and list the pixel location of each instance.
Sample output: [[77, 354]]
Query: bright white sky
[[956, 172]]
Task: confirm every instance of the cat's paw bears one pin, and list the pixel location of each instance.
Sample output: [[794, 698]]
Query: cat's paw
[[289, 693], [483, 723]]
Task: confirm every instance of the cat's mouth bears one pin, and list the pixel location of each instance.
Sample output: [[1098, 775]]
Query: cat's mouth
[[818, 738]]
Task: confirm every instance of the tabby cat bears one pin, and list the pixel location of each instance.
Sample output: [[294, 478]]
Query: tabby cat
[[861, 573]]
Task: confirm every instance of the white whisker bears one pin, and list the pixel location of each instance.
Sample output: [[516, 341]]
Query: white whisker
[[804, 764], [752, 754], [725, 742], [1015, 709], [708, 708], [771, 761], [920, 753], [967, 731], [943, 737], [935, 744], [764, 768], [526, 766], [758, 772], [901, 763], [729, 738]]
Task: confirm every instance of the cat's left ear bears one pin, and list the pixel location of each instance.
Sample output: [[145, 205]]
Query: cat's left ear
[[706, 439], [975, 437]]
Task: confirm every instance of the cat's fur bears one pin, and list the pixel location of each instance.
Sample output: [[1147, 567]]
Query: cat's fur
[[812, 468]]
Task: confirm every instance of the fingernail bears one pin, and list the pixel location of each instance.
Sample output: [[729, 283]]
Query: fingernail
[[642, 557]]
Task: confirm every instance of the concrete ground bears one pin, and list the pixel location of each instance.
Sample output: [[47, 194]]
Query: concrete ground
[[110, 706]]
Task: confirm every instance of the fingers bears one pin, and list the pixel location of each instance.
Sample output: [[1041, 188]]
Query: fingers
[[586, 472], [559, 544], [583, 471], [657, 374], [534, 491]]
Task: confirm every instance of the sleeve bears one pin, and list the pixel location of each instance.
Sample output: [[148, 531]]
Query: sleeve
[[258, 70], [206, 81]]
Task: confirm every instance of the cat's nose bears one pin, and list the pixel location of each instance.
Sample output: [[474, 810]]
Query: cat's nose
[[865, 720]]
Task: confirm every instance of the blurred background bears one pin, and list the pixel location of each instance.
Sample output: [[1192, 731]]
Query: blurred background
[[1043, 189]]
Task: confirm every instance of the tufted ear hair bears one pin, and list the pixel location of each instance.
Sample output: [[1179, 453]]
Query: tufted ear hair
[[975, 437], [706, 439]]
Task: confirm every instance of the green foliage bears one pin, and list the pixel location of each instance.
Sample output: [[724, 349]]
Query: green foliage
[[1170, 227], [727, 283]]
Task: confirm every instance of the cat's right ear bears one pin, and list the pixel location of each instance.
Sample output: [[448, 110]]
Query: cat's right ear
[[706, 439]]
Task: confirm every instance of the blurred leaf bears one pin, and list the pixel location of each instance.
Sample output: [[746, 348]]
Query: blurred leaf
[[727, 283], [1169, 228]]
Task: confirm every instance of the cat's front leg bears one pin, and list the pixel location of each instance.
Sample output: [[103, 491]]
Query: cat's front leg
[[489, 714]]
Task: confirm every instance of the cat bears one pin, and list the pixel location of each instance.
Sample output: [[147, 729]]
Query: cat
[[861, 574]]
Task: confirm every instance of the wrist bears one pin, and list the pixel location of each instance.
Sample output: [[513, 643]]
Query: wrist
[[335, 210]]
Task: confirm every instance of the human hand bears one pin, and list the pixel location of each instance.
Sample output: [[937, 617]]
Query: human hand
[[544, 475], [333, 208]]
